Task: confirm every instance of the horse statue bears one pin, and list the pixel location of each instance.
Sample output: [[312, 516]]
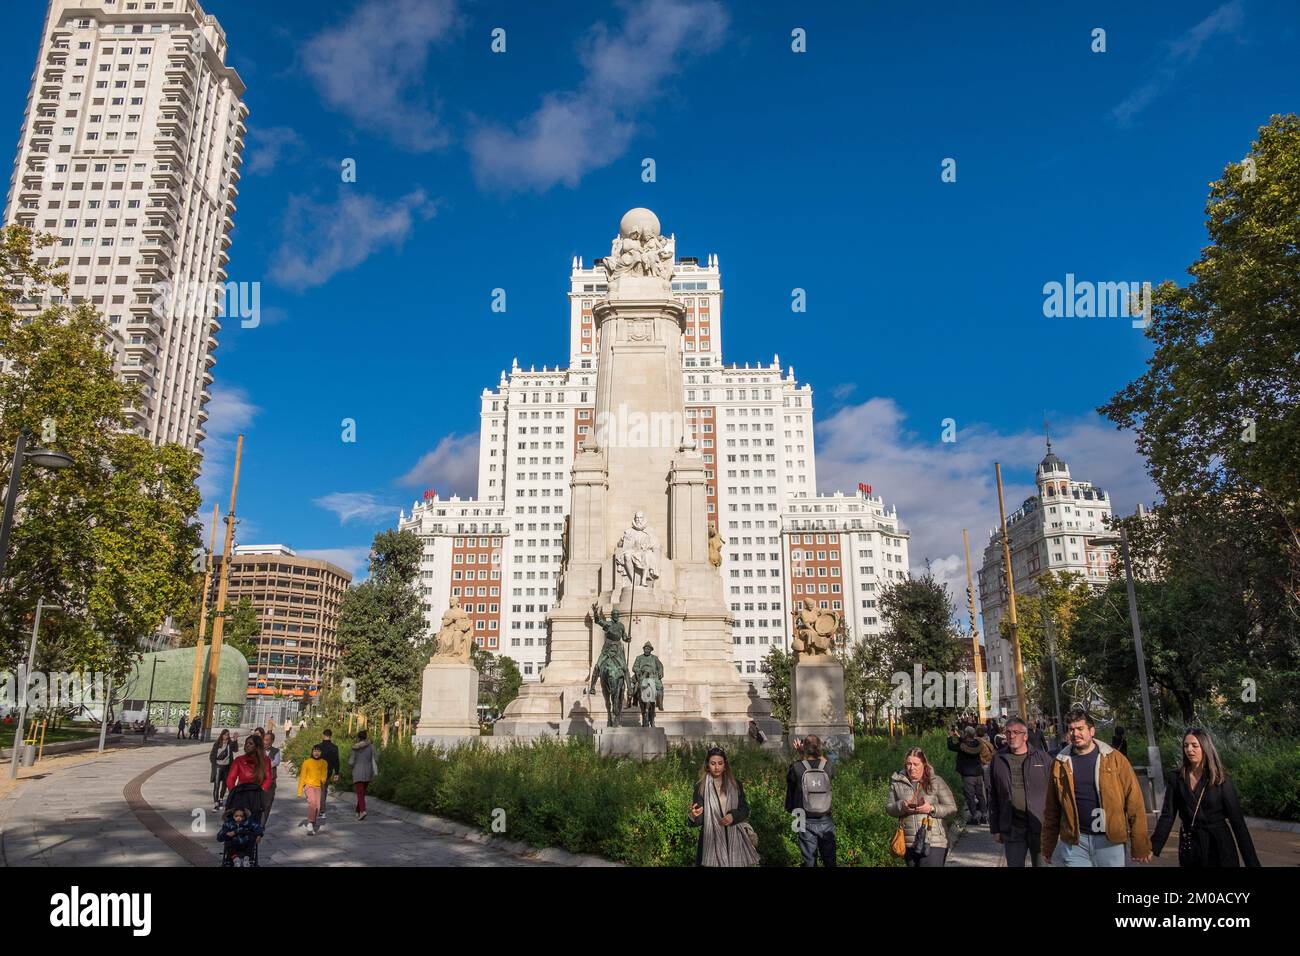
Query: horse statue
[[611, 665]]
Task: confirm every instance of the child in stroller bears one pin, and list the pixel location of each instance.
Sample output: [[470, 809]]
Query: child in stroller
[[239, 833]]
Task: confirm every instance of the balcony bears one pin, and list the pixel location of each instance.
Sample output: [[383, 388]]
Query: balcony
[[208, 378]]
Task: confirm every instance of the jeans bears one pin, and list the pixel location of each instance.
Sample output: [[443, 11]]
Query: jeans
[[976, 805], [817, 836], [1023, 838], [1093, 849]]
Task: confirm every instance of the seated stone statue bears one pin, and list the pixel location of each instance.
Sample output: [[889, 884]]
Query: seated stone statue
[[455, 633]]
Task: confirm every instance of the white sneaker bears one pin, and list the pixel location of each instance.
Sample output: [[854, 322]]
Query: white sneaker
[[311, 831]]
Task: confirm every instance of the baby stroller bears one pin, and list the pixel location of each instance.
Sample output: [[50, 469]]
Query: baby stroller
[[239, 838]]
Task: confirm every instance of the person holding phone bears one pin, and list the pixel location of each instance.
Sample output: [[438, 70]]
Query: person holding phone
[[920, 798], [718, 807]]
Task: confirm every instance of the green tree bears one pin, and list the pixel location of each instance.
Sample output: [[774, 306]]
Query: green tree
[[1217, 415], [1056, 605], [499, 678], [381, 632], [109, 539], [918, 614], [777, 666], [869, 666]]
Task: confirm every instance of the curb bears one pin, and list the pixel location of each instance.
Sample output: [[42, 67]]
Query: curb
[[444, 827], [68, 746]]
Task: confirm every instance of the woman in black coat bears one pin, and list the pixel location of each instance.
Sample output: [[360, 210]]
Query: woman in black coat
[[718, 805], [1209, 812]]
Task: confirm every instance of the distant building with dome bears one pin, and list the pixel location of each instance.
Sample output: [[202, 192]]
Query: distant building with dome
[[1051, 531]]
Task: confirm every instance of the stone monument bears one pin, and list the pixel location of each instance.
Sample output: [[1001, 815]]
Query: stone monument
[[638, 525], [449, 692], [817, 679]]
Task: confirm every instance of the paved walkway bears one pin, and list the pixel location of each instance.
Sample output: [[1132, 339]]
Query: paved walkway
[[977, 847], [151, 806]]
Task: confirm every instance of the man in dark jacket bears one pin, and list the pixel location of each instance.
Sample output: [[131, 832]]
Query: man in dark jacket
[[816, 825], [1036, 739], [1021, 776], [971, 768], [329, 752]]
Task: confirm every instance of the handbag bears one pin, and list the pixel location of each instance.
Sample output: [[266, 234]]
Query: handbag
[[1186, 836], [921, 842], [749, 833], [898, 845]]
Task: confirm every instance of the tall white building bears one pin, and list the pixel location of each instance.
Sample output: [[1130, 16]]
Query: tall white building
[[754, 427], [130, 153], [1051, 531]]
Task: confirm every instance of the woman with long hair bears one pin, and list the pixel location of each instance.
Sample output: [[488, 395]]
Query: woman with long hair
[[1202, 795], [249, 778], [920, 798], [223, 752], [718, 807]]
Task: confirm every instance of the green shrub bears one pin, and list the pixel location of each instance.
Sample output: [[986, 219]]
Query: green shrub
[[560, 793]]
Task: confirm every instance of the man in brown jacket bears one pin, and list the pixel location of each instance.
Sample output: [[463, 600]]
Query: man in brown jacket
[[1094, 804]]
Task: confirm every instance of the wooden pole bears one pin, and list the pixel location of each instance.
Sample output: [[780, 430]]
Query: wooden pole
[[203, 619], [1011, 597], [223, 580], [974, 632]]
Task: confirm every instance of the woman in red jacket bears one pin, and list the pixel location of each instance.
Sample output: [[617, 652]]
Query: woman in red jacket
[[249, 778]]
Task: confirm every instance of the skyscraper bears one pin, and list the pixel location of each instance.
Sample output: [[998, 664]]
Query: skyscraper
[[130, 153]]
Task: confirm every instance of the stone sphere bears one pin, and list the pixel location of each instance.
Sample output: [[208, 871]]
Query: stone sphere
[[643, 220]]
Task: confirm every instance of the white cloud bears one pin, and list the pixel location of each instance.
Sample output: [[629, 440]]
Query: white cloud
[[451, 468], [354, 559], [357, 506], [940, 488], [575, 131], [1178, 53], [323, 239], [271, 144], [371, 68]]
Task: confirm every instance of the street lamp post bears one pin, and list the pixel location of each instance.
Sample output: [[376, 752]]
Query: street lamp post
[[23, 687], [1153, 749]]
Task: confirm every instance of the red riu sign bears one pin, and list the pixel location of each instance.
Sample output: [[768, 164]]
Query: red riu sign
[[865, 489], [430, 493]]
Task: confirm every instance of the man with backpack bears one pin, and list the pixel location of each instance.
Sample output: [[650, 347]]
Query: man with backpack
[[808, 793]]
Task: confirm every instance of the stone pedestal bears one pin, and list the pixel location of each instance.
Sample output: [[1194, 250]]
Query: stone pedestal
[[448, 704], [817, 702], [640, 743]]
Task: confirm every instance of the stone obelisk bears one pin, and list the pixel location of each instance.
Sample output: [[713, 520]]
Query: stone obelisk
[[639, 525]]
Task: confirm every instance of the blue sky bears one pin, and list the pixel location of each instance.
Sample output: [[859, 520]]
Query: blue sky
[[818, 170]]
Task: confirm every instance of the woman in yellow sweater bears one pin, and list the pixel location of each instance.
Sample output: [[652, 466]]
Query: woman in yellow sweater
[[311, 777]]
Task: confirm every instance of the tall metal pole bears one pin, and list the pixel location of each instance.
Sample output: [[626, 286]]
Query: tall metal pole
[[203, 618], [31, 659], [1153, 749], [11, 498], [214, 662], [974, 631], [1011, 597], [148, 704], [103, 721]]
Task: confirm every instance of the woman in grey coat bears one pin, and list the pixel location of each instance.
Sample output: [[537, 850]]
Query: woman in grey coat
[[365, 766], [919, 797]]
